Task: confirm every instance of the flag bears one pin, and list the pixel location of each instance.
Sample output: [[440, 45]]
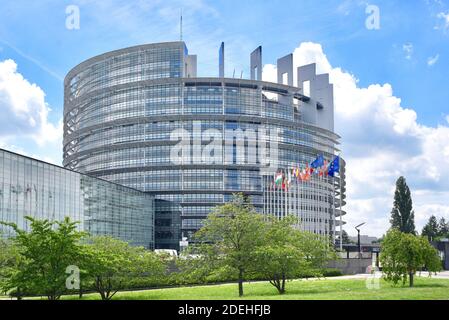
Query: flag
[[318, 163], [305, 174], [278, 179], [289, 179], [334, 167], [324, 169]]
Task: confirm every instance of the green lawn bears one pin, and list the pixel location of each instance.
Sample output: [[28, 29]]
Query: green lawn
[[330, 289]]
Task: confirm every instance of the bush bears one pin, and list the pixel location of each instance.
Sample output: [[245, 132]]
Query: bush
[[330, 272]]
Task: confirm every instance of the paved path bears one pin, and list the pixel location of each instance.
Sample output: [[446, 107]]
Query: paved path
[[440, 275]]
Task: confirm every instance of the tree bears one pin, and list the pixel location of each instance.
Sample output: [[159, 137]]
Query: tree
[[443, 228], [431, 229], [378, 241], [403, 254], [200, 262], [44, 255], [109, 264], [230, 237], [9, 262], [402, 214], [345, 238], [434, 230], [317, 250], [279, 258]]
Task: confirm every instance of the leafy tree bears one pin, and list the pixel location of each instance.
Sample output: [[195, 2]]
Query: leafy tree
[[109, 264], [317, 250], [404, 254], [9, 262], [201, 262], [230, 237], [402, 214], [279, 257], [431, 229], [43, 256]]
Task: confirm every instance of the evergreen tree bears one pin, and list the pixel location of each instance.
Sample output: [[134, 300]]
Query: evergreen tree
[[345, 238], [402, 214], [443, 228], [431, 229]]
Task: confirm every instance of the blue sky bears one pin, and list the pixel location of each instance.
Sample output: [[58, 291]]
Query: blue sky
[[408, 58]]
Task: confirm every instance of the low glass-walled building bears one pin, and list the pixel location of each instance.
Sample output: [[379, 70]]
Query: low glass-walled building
[[29, 187]]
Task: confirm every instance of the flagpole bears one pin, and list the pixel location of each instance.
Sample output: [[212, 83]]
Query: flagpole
[[341, 204], [285, 196]]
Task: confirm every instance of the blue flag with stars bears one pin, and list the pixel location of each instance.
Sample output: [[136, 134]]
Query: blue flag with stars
[[318, 163], [334, 167]]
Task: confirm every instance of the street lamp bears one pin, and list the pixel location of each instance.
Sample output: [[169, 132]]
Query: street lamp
[[358, 239]]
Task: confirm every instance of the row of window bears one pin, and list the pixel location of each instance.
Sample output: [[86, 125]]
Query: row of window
[[32, 188], [149, 64], [163, 130], [166, 100]]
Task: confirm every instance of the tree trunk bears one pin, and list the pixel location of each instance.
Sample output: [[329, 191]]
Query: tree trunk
[[240, 282], [283, 284], [411, 278], [277, 284], [100, 289]]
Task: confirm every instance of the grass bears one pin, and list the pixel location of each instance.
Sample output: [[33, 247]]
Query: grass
[[325, 289]]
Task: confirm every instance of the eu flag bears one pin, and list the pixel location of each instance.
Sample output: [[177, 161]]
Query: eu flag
[[334, 167], [318, 163]]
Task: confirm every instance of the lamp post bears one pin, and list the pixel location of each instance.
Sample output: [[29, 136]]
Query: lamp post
[[358, 239]]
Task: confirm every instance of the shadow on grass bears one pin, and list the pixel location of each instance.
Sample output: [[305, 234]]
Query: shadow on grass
[[421, 285], [307, 290]]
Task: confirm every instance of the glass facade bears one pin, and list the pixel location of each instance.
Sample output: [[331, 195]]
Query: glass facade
[[43, 191], [121, 108]]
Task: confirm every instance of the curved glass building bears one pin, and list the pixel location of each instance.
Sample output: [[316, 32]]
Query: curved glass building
[[140, 117]]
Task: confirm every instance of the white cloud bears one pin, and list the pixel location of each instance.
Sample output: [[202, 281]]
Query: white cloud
[[40, 156], [445, 17], [381, 140], [433, 60], [408, 50], [24, 110]]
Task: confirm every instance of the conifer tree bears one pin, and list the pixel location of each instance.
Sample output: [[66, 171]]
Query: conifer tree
[[402, 214]]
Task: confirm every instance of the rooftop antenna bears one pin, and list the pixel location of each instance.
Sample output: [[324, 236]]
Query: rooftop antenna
[[221, 63], [241, 75], [180, 26]]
